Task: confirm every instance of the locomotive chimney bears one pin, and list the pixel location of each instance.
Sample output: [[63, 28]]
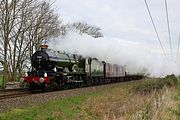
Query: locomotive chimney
[[43, 47]]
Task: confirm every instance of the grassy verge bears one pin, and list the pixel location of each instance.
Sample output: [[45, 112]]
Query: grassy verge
[[117, 102], [176, 110], [156, 84], [64, 109]]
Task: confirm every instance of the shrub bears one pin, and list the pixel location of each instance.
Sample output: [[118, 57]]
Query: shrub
[[156, 84]]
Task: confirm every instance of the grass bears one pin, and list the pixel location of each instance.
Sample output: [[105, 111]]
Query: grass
[[1, 80], [176, 110], [64, 109], [126, 102], [155, 84]]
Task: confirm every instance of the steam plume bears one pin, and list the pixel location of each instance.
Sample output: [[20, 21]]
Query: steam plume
[[135, 56]]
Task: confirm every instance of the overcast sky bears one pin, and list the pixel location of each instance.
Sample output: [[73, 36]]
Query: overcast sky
[[126, 19], [127, 29]]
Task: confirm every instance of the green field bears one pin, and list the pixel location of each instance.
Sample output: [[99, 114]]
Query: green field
[[141, 100], [1, 80]]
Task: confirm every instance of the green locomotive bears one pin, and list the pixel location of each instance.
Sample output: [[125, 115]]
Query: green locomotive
[[61, 70]]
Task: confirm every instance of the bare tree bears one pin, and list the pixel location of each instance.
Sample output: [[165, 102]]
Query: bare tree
[[5, 29], [92, 30], [46, 25], [82, 28], [24, 25]]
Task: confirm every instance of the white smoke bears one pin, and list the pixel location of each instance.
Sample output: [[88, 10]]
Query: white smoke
[[135, 56]]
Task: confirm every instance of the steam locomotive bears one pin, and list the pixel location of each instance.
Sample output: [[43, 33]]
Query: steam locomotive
[[54, 70]]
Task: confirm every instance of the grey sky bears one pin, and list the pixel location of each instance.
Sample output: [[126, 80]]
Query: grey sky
[[129, 37], [126, 19]]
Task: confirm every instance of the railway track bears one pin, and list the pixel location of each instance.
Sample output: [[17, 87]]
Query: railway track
[[21, 92], [10, 90], [6, 94]]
